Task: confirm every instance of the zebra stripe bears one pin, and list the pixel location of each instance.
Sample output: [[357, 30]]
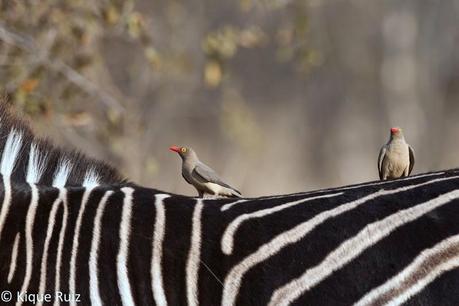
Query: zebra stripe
[[351, 187], [29, 240], [347, 251], [423, 270], [379, 183], [192, 267], [93, 256], [141, 277], [227, 240], [450, 264], [76, 236], [49, 233], [6, 203], [14, 258], [158, 237], [229, 205], [125, 230], [234, 277], [57, 284]]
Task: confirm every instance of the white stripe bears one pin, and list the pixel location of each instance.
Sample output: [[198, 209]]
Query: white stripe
[[450, 264], [6, 202], [123, 253], [91, 178], [229, 205], [356, 186], [94, 290], [49, 234], [192, 266], [158, 237], [407, 274], [30, 219], [351, 248], [234, 277], [36, 166], [408, 178], [75, 243], [62, 173], [227, 241], [14, 258], [57, 284], [10, 152]]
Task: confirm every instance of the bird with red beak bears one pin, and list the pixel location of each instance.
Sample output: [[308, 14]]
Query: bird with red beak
[[396, 157], [202, 177]]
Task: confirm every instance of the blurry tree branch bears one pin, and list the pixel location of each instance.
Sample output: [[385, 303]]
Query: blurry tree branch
[[28, 44]]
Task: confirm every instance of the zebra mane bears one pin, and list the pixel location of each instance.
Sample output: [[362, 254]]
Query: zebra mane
[[27, 158]]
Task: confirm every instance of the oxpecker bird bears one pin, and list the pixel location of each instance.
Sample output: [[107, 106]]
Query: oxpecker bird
[[396, 158], [201, 176]]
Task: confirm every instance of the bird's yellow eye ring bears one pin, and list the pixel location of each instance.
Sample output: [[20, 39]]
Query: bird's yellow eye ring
[[183, 150]]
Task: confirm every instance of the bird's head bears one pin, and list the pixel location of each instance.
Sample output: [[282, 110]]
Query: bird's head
[[396, 132], [184, 152]]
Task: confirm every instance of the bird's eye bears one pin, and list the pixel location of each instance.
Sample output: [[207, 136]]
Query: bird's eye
[[183, 150]]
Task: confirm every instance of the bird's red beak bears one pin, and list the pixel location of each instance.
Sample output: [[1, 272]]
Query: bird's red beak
[[394, 130], [175, 149]]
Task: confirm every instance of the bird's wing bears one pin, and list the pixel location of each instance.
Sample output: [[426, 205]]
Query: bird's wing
[[204, 173], [381, 156], [188, 181], [412, 158]]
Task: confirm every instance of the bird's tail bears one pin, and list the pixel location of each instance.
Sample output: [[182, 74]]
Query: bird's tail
[[235, 193], [230, 192]]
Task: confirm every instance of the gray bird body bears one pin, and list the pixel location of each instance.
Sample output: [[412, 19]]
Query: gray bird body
[[396, 158], [202, 177]]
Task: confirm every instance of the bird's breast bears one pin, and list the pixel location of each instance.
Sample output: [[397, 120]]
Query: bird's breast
[[398, 150]]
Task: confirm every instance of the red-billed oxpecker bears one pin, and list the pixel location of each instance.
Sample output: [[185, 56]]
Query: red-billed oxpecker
[[201, 176], [396, 158]]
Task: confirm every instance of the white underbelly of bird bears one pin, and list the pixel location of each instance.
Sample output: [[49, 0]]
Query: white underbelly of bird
[[396, 158], [396, 163]]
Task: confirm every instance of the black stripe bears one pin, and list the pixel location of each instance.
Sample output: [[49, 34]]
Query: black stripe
[[47, 196], [108, 250], [179, 211], [140, 247]]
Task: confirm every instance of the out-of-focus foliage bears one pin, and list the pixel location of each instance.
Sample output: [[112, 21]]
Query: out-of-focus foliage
[[222, 44], [49, 46], [276, 95]]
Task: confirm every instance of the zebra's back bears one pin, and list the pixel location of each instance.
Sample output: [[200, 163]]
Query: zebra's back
[[371, 244]]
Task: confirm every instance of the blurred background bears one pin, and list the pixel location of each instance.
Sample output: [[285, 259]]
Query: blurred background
[[278, 96]]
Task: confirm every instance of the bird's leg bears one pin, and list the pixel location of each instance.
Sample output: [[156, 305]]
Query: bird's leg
[[201, 194]]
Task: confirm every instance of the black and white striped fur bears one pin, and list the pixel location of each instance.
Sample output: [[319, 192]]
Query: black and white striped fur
[[380, 243], [19, 146]]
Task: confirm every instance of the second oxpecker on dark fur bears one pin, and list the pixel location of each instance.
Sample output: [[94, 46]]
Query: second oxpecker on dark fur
[[396, 158]]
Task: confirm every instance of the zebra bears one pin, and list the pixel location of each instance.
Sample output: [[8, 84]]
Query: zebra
[[74, 232]]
